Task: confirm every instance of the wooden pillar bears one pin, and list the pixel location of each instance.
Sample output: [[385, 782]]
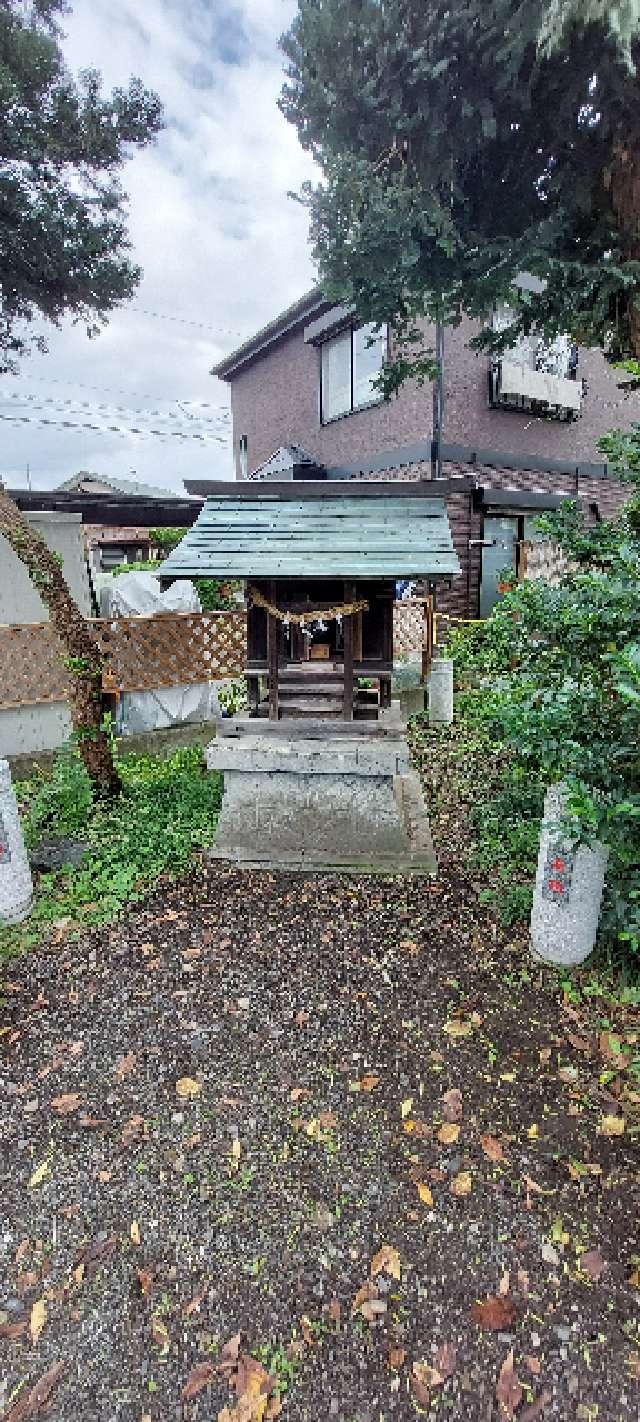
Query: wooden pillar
[[347, 702], [427, 637], [273, 633]]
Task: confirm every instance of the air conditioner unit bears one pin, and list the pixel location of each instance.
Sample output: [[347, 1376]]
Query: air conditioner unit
[[518, 387]]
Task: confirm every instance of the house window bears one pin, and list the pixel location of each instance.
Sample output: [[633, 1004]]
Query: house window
[[348, 368]]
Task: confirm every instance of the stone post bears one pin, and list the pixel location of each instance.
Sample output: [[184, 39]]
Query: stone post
[[16, 889], [441, 692], [568, 892]]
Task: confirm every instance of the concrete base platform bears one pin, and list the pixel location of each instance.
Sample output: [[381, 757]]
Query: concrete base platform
[[319, 800]]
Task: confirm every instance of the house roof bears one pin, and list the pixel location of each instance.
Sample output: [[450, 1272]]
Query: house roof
[[374, 531], [308, 305], [117, 486]]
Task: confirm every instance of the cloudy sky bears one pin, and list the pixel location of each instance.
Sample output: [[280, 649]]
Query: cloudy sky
[[222, 246]]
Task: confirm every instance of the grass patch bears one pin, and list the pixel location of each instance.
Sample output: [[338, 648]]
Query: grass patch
[[167, 811]]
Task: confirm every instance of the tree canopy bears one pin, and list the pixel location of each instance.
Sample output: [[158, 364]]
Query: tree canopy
[[63, 236], [462, 144]]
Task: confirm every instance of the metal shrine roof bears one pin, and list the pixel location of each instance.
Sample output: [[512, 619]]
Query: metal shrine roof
[[327, 532]]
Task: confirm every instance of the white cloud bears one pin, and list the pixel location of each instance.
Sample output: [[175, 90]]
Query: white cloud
[[220, 243]]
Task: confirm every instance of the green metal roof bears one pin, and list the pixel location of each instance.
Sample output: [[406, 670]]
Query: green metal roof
[[388, 536]]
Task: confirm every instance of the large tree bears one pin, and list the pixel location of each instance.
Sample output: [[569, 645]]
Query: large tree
[[64, 251], [461, 144]]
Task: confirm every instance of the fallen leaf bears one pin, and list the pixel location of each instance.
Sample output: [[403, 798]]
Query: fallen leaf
[[494, 1312], [229, 1355], [160, 1333], [64, 1105], [198, 1379], [612, 1126], [387, 1260], [446, 1360], [40, 1173], [455, 1028], [37, 1319], [535, 1409], [452, 1105], [424, 1193], [396, 1357], [426, 1376], [124, 1065], [581, 1044], [592, 1264], [533, 1132], [448, 1133], [509, 1388], [492, 1148], [503, 1286], [135, 1232], [549, 1254], [406, 1107], [307, 1331], [544, 1054], [94, 1254], [569, 1075], [145, 1280], [13, 1330], [462, 1184], [534, 1365], [297, 1093], [133, 1129], [187, 1087], [33, 1403], [334, 1310]]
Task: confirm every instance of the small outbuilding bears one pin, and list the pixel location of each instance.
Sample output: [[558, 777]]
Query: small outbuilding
[[320, 561]]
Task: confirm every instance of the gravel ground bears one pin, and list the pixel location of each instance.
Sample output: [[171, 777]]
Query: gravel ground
[[334, 1116]]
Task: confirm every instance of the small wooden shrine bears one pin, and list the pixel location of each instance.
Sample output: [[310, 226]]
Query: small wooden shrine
[[320, 560]]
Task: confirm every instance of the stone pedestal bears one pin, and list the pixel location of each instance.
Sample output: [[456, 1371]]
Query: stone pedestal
[[320, 795], [441, 692], [568, 892], [16, 889]]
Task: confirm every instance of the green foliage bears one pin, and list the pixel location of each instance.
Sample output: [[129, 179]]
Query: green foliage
[[167, 538], [167, 810], [63, 233], [564, 700], [459, 145], [215, 595], [233, 696], [59, 803]]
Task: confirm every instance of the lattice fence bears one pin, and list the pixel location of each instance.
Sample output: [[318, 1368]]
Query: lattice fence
[[143, 653], [408, 625]]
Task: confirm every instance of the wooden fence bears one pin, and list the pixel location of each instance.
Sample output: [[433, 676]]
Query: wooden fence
[[147, 652], [141, 654]]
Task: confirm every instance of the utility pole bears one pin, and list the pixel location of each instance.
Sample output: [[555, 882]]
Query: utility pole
[[438, 405]]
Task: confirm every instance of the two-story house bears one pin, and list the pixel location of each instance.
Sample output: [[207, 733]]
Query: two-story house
[[518, 434]]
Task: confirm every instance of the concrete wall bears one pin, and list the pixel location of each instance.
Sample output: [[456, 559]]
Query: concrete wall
[[275, 401], [29, 729], [19, 600]]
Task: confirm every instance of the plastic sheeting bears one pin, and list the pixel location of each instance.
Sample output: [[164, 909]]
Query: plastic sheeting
[[131, 595]]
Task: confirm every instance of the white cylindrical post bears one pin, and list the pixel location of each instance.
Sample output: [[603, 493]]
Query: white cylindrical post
[[441, 692], [568, 892], [16, 888]]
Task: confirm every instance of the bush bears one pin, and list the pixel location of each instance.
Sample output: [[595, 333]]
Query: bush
[[58, 804]]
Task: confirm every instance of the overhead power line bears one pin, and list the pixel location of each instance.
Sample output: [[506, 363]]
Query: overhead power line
[[119, 390], [128, 411], [162, 434]]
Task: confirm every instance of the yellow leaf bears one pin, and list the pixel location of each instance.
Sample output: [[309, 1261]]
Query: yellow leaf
[[455, 1028], [38, 1315], [386, 1259], [448, 1133], [533, 1133], [406, 1107], [612, 1126], [409, 1127], [425, 1194], [236, 1148], [40, 1174], [135, 1232], [187, 1087], [462, 1183]]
